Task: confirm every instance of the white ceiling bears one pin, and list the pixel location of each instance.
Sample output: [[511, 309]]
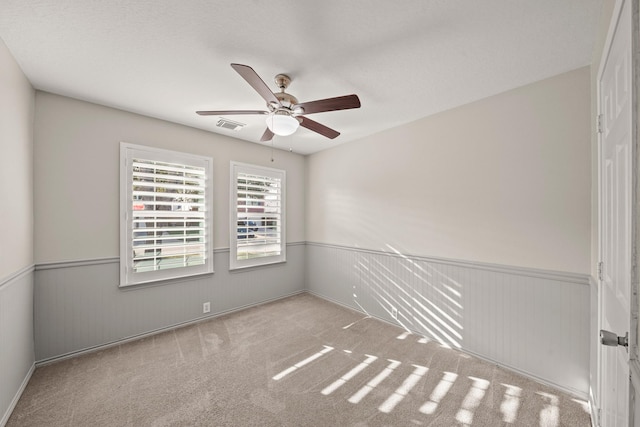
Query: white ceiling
[[404, 59]]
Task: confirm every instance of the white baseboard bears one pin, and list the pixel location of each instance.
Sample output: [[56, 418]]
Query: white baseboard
[[14, 402]]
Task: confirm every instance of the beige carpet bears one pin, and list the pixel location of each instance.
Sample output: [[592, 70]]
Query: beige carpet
[[300, 361]]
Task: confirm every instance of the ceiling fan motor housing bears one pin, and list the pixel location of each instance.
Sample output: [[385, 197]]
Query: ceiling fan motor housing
[[286, 100]]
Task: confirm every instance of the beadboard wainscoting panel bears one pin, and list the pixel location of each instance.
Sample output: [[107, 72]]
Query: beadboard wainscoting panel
[[533, 321], [16, 338], [79, 306]]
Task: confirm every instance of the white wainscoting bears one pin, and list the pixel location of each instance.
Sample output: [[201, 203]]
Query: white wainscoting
[[16, 338], [79, 306], [532, 321]]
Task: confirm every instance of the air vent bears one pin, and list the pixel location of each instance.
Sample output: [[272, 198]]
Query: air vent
[[229, 124]]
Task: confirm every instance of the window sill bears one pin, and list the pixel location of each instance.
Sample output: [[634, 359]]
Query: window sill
[[254, 267], [164, 282]]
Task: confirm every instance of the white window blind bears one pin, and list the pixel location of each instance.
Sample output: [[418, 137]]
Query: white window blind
[[257, 218], [167, 223]]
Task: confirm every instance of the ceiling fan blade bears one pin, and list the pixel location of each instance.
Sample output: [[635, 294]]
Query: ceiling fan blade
[[319, 128], [256, 82], [267, 135], [230, 112], [330, 104]]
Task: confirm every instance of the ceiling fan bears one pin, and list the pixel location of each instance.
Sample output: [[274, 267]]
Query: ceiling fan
[[284, 113]]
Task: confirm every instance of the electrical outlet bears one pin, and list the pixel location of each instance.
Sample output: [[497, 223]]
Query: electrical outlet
[[394, 313], [206, 307]]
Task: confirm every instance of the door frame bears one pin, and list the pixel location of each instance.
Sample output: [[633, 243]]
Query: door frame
[[634, 349], [634, 327]]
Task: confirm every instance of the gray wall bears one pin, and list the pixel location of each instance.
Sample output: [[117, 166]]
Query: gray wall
[[16, 166], [77, 175], [16, 338], [504, 181], [78, 304], [16, 229]]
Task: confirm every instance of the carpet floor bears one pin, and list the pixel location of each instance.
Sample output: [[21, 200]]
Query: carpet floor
[[299, 361]]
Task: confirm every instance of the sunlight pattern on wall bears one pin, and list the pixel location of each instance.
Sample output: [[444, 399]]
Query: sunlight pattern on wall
[[418, 296]]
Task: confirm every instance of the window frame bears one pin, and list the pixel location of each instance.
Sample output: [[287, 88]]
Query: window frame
[[129, 152], [235, 169]]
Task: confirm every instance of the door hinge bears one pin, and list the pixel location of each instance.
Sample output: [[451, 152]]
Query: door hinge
[[600, 271], [599, 123]]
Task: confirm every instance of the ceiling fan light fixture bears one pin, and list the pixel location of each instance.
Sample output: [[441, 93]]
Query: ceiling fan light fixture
[[282, 124]]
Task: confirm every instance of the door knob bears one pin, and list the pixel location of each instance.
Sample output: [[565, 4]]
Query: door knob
[[609, 338]]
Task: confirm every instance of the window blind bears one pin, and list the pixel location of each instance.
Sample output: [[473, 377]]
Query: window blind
[[168, 215], [259, 215]]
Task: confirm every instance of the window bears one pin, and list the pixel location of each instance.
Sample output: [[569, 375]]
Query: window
[[257, 234], [165, 222]]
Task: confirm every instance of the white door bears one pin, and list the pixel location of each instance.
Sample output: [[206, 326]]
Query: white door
[[615, 103]]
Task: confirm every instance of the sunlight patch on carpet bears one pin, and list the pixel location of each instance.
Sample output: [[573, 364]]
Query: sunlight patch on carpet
[[362, 393], [300, 364], [346, 377], [404, 389], [510, 403], [472, 400], [441, 390]]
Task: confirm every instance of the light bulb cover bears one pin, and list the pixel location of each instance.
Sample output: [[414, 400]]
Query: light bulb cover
[[282, 124]]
